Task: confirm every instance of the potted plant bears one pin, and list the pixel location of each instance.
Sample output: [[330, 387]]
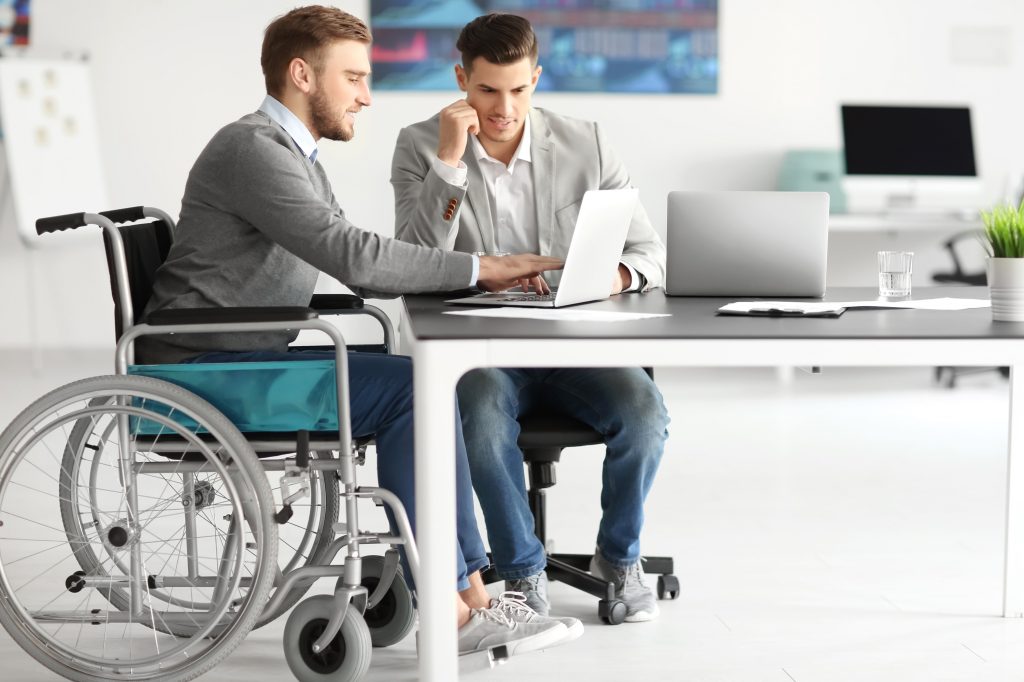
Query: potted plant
[[1004, 234]]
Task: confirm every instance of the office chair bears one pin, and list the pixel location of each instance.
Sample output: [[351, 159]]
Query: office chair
[[959, 276], [542, 437], [947, 375]]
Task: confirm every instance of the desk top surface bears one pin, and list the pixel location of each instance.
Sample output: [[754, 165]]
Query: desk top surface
[[695, 318]]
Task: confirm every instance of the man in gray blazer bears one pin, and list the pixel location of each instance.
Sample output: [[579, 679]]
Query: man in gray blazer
[[491, 174], [259, 221]]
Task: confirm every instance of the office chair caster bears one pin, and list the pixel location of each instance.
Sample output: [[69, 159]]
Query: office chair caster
[[345, 659], [612, 611], [392, 616], [668, 587]]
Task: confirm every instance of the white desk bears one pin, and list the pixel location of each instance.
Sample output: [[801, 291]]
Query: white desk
[[444, 347], [907, 222]]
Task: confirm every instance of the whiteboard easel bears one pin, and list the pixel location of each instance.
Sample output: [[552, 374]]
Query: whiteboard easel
[[50, 142]]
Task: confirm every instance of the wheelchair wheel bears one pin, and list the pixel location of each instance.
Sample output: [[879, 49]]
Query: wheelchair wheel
[[346, 658], [134, 579], [303, 540], [394, 615]]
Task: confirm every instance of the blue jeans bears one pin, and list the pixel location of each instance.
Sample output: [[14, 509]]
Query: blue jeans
[[380, 402], [623, 404]]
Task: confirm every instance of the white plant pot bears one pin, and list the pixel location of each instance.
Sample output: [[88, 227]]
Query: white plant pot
[[1006, 285]]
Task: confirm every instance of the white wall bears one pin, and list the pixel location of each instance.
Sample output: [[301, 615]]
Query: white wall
[[167, 75]]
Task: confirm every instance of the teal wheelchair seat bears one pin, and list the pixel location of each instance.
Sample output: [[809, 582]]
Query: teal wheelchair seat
[[258, 397]]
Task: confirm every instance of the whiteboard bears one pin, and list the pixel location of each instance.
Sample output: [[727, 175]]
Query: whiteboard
[[50, 141]]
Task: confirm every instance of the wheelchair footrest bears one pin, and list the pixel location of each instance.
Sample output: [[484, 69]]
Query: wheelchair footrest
[[483, 660], [284, 515]]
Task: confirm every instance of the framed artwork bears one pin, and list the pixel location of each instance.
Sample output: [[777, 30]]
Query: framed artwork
[[14, 23], [629, 46]]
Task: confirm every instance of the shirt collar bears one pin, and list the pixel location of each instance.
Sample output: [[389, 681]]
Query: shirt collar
[[522, 152], [282, 116]]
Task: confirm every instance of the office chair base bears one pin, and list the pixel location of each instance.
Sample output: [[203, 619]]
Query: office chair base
[[572, 569]]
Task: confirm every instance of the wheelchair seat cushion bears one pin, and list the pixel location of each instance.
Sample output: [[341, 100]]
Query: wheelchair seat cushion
[[256, 396]]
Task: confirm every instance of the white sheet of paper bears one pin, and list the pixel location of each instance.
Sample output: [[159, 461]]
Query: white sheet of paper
[[802, 306], [562, 314], [925, 304], [945, 303]]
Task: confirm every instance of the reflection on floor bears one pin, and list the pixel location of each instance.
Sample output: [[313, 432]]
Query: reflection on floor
[[842, 526]]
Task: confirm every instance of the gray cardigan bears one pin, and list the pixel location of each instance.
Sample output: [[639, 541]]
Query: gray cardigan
[[258, 221]]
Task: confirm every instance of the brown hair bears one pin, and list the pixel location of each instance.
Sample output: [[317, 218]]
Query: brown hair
[[498, 38], [305, 32]]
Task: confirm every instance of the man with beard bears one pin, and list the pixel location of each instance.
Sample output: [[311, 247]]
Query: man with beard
[[259, 221]]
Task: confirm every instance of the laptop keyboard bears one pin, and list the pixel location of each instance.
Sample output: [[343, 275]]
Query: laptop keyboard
[[532, 297]]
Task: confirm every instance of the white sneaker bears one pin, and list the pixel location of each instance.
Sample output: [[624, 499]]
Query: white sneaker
[[488, 628], [630, 587], [516, 606]]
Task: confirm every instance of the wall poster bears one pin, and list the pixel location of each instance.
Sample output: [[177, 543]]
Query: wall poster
[[634, 46]]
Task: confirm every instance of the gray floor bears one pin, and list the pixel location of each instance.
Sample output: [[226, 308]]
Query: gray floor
[[845, 526]]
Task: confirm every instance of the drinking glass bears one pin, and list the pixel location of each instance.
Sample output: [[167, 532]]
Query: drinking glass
[[894, 271]]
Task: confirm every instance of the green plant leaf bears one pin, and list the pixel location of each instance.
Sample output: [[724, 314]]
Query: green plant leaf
[[1004, 231]]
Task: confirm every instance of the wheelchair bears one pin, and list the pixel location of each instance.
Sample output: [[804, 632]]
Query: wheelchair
[[184, 517]]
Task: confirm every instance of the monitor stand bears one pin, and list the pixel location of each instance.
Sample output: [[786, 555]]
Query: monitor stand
[[917, 195]]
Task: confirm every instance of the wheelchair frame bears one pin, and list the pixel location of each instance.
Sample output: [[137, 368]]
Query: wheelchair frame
[[351, 598]]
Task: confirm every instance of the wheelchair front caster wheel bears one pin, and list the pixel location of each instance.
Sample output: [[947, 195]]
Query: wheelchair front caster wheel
[[611, 611], [394, 616], [345, 659], [668, 587]]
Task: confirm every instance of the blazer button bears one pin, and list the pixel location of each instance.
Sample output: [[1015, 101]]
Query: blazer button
[[448, 215], [452, 203]]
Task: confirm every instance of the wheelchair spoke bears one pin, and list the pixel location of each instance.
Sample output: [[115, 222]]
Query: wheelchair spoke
[[89, 529], [32, 521], [54, 546]]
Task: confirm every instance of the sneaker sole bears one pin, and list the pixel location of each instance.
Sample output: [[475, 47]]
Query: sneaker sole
[[541, 640], [573, 632], [642, 616]]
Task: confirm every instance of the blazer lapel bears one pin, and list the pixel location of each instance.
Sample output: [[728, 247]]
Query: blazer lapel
[[476, 194], [542, 155]]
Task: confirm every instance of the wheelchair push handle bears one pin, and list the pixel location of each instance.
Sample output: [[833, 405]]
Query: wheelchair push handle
[[125, 215], [72, 220], [60, 222]]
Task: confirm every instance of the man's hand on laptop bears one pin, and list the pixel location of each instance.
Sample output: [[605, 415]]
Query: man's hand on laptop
[[537, 284], [622, 280], [498, 273]]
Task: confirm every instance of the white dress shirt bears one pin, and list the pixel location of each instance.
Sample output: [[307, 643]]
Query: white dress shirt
[[511, 197]]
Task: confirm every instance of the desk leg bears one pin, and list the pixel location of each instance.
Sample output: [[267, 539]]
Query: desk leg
[[436, 370], [1013, 586]]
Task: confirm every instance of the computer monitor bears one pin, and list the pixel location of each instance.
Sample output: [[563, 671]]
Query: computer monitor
[[909, 158]]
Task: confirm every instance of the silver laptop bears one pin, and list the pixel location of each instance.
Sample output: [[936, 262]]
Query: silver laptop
[[594, 253], [747, 243]]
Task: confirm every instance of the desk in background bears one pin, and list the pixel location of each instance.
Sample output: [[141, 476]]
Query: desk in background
[[908, 222], [444, 347]]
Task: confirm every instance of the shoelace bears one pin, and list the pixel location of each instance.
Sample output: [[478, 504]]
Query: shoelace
[[497, 615], [532, 580], [634, 570], [513, 603]]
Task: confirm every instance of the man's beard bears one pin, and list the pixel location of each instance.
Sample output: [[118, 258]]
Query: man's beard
[[326, 123]]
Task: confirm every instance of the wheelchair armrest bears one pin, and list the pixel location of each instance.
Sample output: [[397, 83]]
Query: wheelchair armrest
[[349, 304], [174, 316], [336, 304]]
